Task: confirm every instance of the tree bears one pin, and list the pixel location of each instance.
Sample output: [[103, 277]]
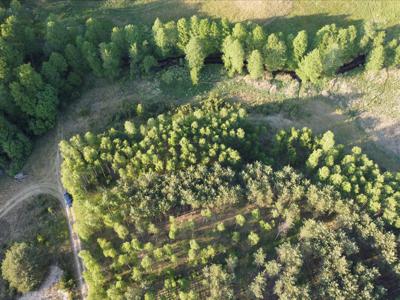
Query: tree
[[23, 267], [259, 257], [111, 57], [221, 227], [233, 55], [275, 55], [119, 42], [239, 32], [258, 38], [15, 147], [217, 282], [396, 61], [91, 55], [35, 98], [376, 58], [183, 28], [240, 220], [165, 37], [147, 263], [97, 31], [255, 65], [56, 35], [54, 70], [300, 45], [148, 63], [253, 238], [310, 67], [257, 287], [195, 55], [74, 60]]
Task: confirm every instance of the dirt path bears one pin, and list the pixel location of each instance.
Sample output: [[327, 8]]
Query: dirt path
[[43, 166], [54, 188], [48, 289]]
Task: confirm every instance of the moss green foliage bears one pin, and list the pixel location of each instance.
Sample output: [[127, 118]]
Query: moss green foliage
[[14, 145], [195, 55], [311, 67], [352, 174], [255, 64], [275, 55], [23, 267], [233, 55], [184, 205]]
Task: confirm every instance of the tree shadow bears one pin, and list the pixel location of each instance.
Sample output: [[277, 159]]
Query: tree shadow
[[311, 23]]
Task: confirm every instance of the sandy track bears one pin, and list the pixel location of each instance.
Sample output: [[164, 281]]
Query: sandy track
[[27, 193]]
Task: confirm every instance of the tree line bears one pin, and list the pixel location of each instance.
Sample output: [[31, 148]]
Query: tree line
[[42, 66]]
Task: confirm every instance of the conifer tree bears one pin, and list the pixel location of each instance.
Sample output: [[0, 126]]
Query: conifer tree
[[195, 55], [255, 65]]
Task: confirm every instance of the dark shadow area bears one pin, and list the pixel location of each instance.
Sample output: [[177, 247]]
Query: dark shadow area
[[311, 23], [359, 61], [393, 31]]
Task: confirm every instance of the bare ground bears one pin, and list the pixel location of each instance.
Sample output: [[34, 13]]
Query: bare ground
[[48, 290]]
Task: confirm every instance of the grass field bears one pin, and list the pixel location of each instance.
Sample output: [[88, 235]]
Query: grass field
[[280, 15], [145, 11]]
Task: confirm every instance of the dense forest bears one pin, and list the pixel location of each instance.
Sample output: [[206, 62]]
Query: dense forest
[[43, 64], [199, 203]]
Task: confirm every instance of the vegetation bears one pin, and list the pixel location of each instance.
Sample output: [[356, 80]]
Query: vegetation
[[199, 219], [196, 201], [32, 238], [23, 268], [43, 69]]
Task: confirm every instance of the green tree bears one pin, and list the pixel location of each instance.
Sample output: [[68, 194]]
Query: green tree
[[56, 35], [311, 67], [275, 55], [240, 220], [217, 282], [195, 55], [91, 54], [148, 63], [376, 58], [23, 267], [15, 147], [233, 55], [253, 238], [183, 28], [255, 65], [258, 38], [35, 98], [111, 57], [300, 45], [54, 70]]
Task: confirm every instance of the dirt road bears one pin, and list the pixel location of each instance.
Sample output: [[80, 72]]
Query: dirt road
[[54, 188]]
